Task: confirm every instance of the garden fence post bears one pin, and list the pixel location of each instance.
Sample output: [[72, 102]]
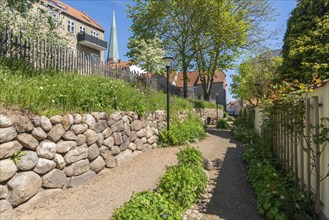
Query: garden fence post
[[308, 142], [317, 154]]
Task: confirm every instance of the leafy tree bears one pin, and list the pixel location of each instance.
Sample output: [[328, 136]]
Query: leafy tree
[[191, 27], [20, 6], [34, 23], [306, 42], [217, 45], [148, 53], [254, 78], [173, 21]]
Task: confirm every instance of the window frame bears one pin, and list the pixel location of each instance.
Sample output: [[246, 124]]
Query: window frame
[[70, 26]]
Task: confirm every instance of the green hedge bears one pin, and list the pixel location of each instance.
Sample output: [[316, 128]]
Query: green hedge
[[178, 189]]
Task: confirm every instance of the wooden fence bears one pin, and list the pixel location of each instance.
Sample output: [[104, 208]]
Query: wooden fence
[[295, 145], [43, 55]]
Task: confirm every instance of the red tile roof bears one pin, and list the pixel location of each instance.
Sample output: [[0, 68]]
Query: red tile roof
[[193, 78], [82, 16]]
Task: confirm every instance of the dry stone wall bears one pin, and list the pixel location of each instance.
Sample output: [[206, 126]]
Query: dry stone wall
[[40, 153]]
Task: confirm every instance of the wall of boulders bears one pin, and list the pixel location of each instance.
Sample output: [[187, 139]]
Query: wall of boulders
[[213, 114], [40, 153]]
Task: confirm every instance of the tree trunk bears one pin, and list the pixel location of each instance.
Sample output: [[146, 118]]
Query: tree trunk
[[185, 95]]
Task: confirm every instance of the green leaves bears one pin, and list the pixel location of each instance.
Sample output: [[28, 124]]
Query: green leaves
[[306, 42], [178, 189], [277, 198]]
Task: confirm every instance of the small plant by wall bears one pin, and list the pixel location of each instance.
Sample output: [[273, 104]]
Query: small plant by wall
[[178, 189], [183, 131]]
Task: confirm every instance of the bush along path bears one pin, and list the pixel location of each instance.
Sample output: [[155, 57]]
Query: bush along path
[[278, 199]]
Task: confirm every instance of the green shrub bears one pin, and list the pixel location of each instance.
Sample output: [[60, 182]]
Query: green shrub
[[276, 195], [183, 184], [148, 205], [222, 123], [190, 156], [200, 104], [183, 131]]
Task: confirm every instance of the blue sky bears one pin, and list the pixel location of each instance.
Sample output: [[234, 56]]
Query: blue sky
[[101, 11]]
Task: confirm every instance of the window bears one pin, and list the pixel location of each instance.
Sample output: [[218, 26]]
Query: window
[[94, 33], [70, 26], [82, 29]]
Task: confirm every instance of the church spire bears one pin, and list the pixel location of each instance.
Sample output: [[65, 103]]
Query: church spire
[[113, 53]]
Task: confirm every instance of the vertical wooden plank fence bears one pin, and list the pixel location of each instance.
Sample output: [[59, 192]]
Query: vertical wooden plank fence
[[45, 56]]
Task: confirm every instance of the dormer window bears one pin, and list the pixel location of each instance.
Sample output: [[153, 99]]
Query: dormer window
[[70, 26]]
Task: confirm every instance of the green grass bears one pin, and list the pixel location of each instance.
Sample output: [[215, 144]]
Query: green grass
[[49, 93], [201, 104]]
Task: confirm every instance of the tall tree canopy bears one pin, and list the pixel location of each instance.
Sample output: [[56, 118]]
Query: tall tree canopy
[[205, 34], [306, 42], [222, 31], [254, 77]]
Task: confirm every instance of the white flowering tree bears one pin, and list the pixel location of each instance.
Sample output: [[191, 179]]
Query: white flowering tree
[[147, 54], [33, 22]]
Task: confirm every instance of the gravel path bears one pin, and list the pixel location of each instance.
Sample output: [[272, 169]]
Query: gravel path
[[233, 198]]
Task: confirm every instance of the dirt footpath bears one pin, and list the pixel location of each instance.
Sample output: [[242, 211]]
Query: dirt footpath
[[233, 198]]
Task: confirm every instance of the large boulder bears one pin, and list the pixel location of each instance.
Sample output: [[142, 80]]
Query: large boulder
[[77, 118], [97, 165], [23, 186], [6, 210], [28, 141], [76, 154], [70, 136], [152, 139], [81, 179], [149, 132], [79, 128], [91, 136], [108, 158], [5, 121], [93, 152], [45, 123], [54, 179], [107, 132], [39, 134], [77, 168], [116, 116], [100, 126], [8, 149], [133, 136], [81, 139], [109, 142], [141, 133], [137, 125], [125, 143], [118, 126], [89, 120], [8, 169], [60, 162], [65, 146], [44, 166], [56, 119], [47, 149], [117, 138], [99, 115], [115, 150], [139, 144], [56, 133], [7, 134], [23, 124], [3, 191], [123, 157], [68, 120], [27, 161]]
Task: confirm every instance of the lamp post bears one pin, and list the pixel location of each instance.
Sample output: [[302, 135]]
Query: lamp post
[[167, 61], [217, 105]]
